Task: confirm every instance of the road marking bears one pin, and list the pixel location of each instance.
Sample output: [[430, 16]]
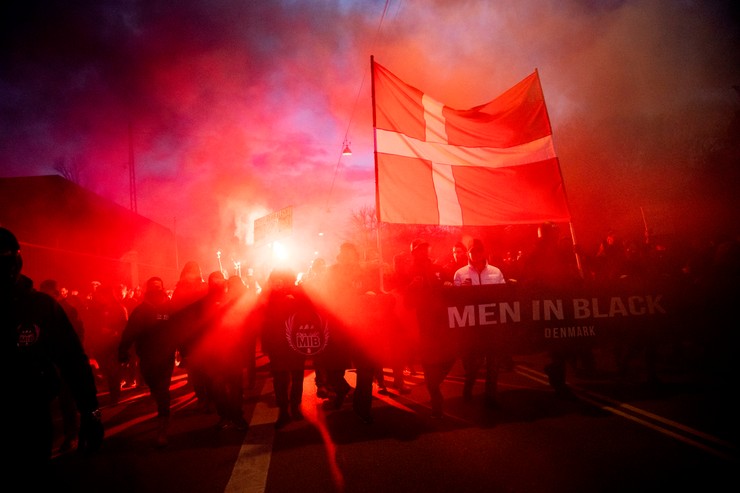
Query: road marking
[[663, 428], [250, 469], [696, 438]]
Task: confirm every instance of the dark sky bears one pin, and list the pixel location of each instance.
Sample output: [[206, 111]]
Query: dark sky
[[238, 108]]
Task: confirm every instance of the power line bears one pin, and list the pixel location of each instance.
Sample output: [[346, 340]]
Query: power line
[[354, 107]]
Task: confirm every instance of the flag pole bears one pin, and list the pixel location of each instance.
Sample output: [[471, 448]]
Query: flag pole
[[377, 190], [562, 182], [575, 249], [646, 233]]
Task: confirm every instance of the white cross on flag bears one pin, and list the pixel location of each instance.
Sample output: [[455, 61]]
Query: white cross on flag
[[494, 164]]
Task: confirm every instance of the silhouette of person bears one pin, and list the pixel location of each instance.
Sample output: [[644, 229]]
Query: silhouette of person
[[39, 346], [105, 319], [611, 258], [67, 407], [280, 301], [149, 330], [352, 294], [229, 342], [249, 291], [436, 352], [552, 268], [458, 259], [314, 283], [190, 288]]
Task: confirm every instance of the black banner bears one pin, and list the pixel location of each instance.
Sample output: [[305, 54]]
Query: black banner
[[521, 320]]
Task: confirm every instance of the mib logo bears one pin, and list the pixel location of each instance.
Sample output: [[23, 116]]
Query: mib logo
[[307, 332], [28, 335]]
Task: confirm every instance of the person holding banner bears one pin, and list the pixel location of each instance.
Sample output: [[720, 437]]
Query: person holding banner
[[474, 348], [457, 260], [422, 291], [354, 299], [550, 267]]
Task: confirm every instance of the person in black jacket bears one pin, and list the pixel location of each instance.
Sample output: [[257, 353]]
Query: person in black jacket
[[421, 284], [70, 418], [355, 329], [551, 267], [196, 326], [149, 330], [39, 346], [278, 304]]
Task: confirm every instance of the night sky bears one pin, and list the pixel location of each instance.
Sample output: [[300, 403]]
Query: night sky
[[240, 108]]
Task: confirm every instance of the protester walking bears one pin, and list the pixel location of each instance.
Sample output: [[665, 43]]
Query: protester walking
[[552, 269], [228, 342], [421, 289], [149, 330], [190, 288], [476, 348], [314, 285], [200, 349], [67, 407], [39, 347], [279, 301], [105, 319], [354, 298]]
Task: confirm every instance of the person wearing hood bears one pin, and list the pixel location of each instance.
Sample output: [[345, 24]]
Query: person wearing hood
[[149, 330], [39, 347]]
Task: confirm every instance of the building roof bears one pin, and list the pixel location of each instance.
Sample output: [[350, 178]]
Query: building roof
[[51, 212]]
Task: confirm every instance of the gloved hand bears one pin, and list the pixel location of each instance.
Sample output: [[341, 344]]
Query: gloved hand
[[91, 432]]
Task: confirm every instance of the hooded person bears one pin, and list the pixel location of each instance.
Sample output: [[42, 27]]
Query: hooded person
[[436, 350], [149, 330], [280, 304], [39, 347], [195, 325]]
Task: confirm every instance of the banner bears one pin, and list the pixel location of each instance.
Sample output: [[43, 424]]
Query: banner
[[514, 320], [522, 321], [274, 225], [494, 164]]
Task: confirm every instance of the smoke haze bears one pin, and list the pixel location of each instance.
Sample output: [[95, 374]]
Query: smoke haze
[[234, 109]]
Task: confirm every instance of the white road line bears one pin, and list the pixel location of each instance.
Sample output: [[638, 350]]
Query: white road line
[[680, 432], [250, 469]]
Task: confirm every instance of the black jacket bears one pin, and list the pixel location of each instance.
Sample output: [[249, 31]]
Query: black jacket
[[39, 343]]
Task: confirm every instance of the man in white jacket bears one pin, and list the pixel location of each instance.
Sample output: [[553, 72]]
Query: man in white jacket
[[478, 271], [473, 353]]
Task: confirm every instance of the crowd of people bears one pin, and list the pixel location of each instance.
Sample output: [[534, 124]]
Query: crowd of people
[[352, 313]]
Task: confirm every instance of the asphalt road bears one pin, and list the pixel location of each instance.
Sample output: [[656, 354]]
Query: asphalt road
[[617, 434]]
